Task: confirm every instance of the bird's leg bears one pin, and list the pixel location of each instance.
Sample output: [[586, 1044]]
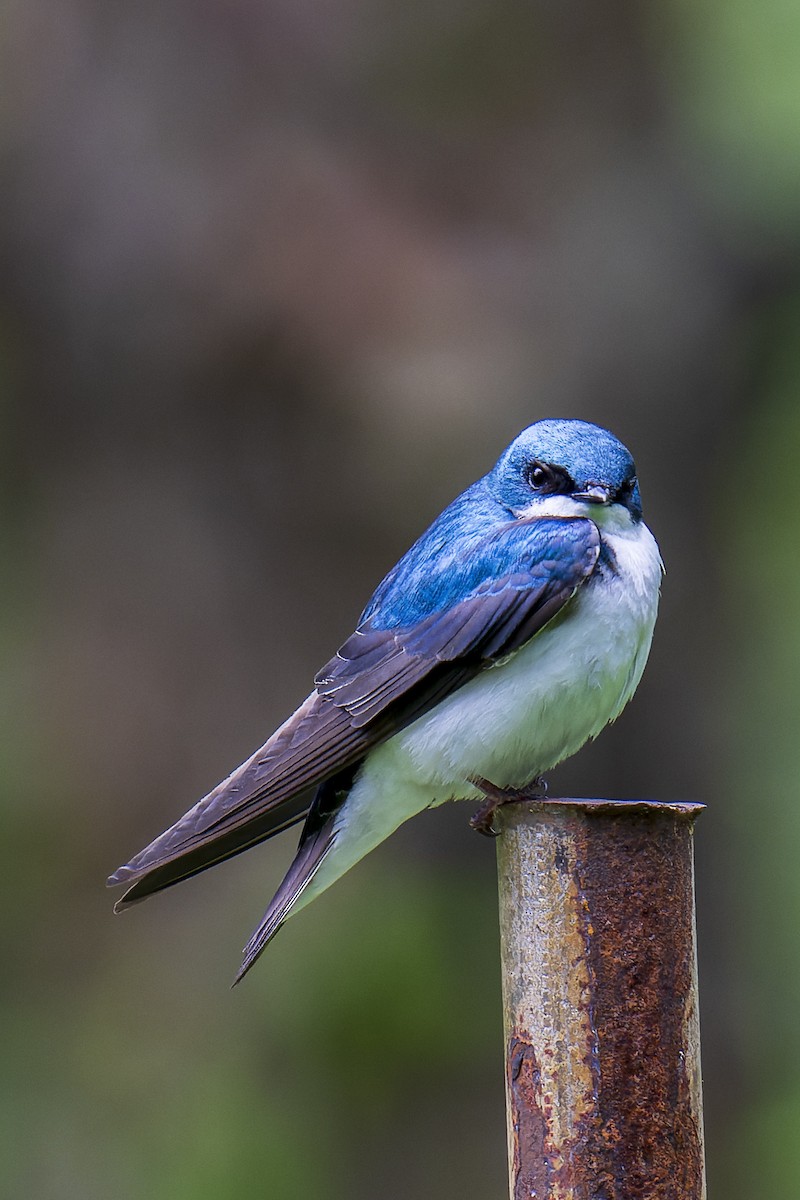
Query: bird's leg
[[497, 796]]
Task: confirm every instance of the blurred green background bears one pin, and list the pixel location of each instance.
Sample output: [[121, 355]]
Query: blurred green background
[[277, 281]]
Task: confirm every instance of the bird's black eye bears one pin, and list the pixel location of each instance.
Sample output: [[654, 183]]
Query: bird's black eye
[[544, 478]]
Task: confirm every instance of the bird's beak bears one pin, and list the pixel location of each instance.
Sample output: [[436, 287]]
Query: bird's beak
[[595, 493]]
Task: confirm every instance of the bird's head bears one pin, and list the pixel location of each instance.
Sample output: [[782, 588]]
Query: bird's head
[[569, 469]]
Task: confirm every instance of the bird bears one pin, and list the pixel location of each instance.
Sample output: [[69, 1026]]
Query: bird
[[510, 634]]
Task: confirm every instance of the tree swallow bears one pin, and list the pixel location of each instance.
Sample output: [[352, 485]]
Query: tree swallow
[[511, 633]]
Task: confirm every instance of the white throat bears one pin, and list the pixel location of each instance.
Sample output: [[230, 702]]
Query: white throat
[[614, 518]]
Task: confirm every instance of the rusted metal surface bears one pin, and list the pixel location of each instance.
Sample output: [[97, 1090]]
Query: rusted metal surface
[[600, 1000]]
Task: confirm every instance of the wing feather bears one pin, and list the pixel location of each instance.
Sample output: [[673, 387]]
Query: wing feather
[[496, 618]]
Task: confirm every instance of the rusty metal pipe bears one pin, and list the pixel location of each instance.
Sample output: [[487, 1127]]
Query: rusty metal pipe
[[600, 1000]]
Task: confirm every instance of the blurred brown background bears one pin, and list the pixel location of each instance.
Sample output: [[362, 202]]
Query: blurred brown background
[[278, 280]]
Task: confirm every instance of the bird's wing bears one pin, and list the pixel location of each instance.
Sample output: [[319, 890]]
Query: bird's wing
[[536, 568], [253, 803], [519, 577]]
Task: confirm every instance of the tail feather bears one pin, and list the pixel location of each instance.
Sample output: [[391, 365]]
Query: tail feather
[[307, 862]]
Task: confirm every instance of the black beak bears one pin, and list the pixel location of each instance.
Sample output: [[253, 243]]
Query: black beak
[[595, 493]]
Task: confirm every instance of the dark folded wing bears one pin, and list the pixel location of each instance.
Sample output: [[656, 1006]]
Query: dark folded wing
[[380, 680], [378, 668], [253, 803]]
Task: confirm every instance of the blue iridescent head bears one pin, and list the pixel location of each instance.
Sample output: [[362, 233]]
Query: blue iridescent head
[[580, 462]]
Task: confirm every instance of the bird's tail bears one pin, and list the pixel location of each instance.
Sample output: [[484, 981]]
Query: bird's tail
[[305, 866], [352, 813], [317, 839]]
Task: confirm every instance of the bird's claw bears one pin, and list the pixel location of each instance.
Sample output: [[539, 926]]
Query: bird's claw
[[482, 821]]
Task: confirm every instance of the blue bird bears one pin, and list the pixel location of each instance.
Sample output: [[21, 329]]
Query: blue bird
[[511, 633]]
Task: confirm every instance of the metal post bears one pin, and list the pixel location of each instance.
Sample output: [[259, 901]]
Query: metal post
[[600, 1000]]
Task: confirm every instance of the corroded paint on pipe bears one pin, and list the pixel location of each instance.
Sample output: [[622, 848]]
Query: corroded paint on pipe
[[600, 1000]]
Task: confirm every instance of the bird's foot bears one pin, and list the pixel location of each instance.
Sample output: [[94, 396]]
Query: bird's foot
[[483, 820]]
